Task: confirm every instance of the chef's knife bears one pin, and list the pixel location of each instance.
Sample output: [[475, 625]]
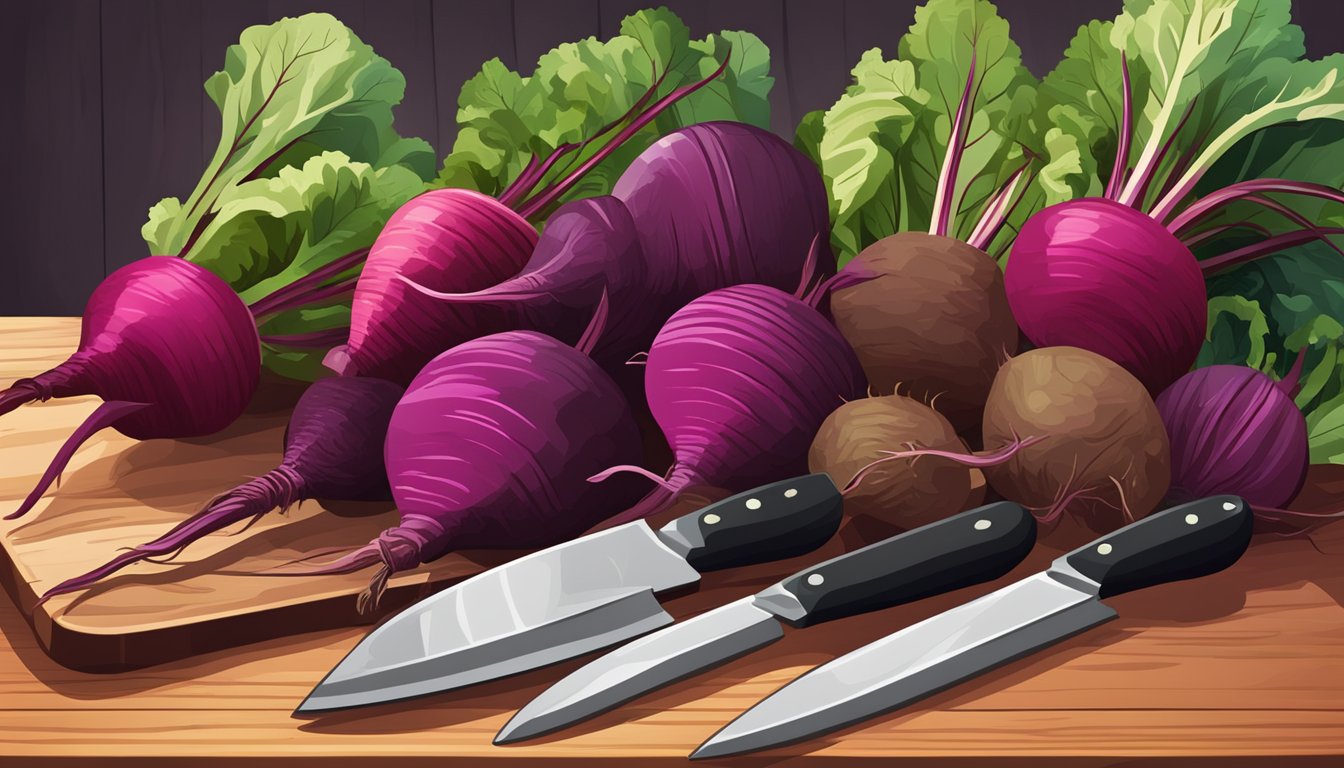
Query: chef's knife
[[575, 597], [1183, 542], [959, 551]]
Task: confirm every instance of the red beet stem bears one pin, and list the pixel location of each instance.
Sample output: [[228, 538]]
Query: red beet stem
[[105, 415], [281, 487], [1291, 382]]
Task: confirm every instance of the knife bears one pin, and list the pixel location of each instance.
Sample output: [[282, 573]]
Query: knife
[[965, 549], [1183, 542], [575, 597]]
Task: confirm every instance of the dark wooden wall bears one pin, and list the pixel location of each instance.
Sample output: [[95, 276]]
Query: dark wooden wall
[[105, 114]]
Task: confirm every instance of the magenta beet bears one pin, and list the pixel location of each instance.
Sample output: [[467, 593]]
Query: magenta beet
[[740, 381], [491, 447], [708, 206], [719, 204], [449, 240], [1235, 430], [169, 347], [1101, 276]]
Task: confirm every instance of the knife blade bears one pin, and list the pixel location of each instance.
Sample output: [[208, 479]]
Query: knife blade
[[573, 598], [1182, 542], [972, 547]]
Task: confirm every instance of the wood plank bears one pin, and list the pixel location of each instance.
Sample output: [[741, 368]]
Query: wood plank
[[52, 204], [152, 76], [466, 34]]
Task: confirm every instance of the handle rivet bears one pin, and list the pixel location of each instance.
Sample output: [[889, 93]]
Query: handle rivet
[[981, 525], [1191, 519], [710, 519], [1103, 549], [789, 494], [816, 580], [1229, 506], [753, 503]]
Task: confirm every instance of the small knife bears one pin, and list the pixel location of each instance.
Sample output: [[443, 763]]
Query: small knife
[[968, 548], [1183, 542], [575, 597]]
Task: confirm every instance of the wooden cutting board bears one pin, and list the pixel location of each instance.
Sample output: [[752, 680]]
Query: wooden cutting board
[[117, 492]]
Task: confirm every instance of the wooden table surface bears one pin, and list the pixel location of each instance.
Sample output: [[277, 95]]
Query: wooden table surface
[[1243, 667]]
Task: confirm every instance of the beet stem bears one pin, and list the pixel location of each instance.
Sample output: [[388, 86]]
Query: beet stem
[[1292, 381], [1264, 248], [1121, 165], [538, 203], [947, 176]]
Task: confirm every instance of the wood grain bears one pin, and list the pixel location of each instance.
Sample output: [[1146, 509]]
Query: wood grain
[[1244, 667]]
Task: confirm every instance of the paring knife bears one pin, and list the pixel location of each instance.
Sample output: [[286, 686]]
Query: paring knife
[[965, 549], [575, 597], [1183, 542]]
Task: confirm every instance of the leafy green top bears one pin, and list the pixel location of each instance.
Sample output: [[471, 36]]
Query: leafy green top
[[507, 120]]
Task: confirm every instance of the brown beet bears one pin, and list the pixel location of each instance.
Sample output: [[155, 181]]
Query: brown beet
[[933, 321], [902, 494], [1102, 454]]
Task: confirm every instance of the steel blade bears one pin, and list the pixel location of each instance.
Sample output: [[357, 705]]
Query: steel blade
[[914, 662], [539, 609], [642, 665]]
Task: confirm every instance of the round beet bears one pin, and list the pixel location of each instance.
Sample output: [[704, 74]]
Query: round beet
[[1100, 451], [897, 495], [492, 447], [1235, 430], [449, 240], [928, 317], [1102, 276], [169, 347]]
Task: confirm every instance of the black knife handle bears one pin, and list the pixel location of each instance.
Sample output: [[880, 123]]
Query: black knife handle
[[1183, 542], [772, 522], [969, 548]]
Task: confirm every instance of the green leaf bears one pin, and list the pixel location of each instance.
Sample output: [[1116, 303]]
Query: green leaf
[[268, 233], [884, 143], [577, 89], [1299, 295], [289, 91]]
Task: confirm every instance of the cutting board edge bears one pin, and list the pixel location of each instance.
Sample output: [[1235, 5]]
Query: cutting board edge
[[109, 652]]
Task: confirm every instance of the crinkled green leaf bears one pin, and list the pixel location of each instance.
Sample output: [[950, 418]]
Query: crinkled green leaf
[[270, 232], [1300, 296], [289, 91], [577, 89], [883, 144]]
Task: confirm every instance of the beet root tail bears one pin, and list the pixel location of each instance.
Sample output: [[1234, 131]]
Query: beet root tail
[[517, 289], [976, 460], [394, 550], [105, 415], [15, 396], [279, 488], [42, 387]]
